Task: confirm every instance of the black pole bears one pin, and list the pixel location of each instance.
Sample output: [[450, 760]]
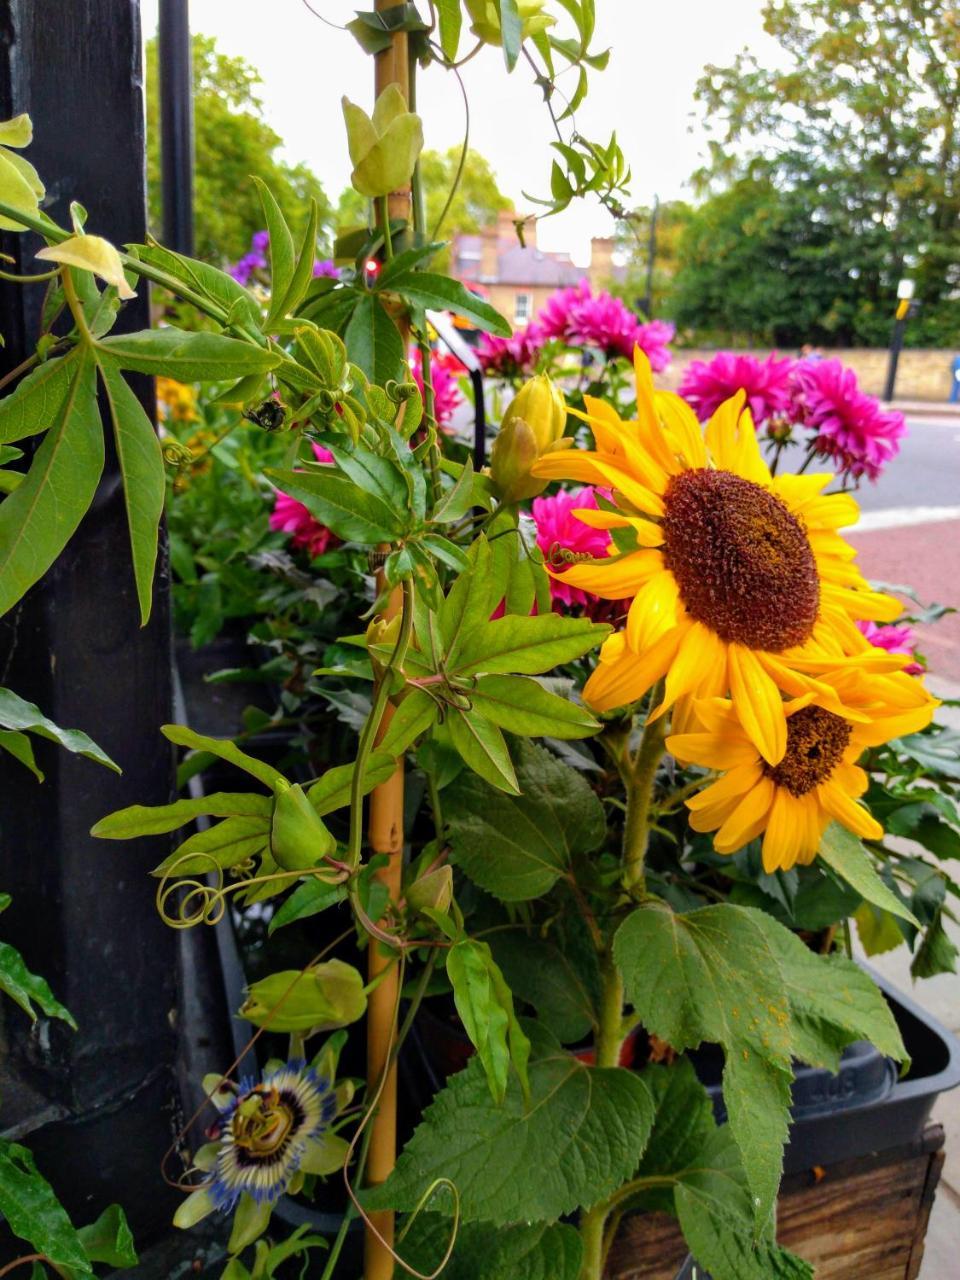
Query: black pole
[[175, 61], [96, 1106], [651, 258], [896, 346]]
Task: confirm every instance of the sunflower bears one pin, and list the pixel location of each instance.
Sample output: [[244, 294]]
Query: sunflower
[[816, 781], [740, 582]]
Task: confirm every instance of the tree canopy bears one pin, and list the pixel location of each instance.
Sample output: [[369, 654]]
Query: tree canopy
[[233, 142]]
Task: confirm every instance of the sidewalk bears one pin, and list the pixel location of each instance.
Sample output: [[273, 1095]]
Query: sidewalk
[[925, 408]]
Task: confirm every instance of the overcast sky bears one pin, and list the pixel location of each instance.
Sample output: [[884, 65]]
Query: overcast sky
[[646, 93]]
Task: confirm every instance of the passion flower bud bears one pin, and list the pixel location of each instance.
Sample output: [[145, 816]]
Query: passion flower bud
[[486, 19], [383, 147], [532, 425], [433, 891], [319, 998], [299, 839]]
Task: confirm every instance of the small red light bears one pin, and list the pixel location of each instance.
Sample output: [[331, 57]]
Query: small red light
[[372, 266]]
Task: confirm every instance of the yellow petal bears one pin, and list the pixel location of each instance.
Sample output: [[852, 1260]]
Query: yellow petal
[[628, 677], [732, 440], [747, 820], [653, 611], [91, 253], [648, 533], [780, 840], [681, 422], [734, 784], [847, 812], [623, 576], [831, 512], [758, 703], [701, 654], [711, 750]]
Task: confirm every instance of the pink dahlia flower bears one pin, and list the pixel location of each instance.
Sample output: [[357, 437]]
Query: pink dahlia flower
[[513, 357], [895, 640], [582, 318], [850, 427], [557, 526], [444, 371], [304, 529], [708, 383]]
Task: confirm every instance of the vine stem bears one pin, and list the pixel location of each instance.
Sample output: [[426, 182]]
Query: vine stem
[[642, 773]]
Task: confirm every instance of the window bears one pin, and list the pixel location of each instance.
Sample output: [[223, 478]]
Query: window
[[521, 308]]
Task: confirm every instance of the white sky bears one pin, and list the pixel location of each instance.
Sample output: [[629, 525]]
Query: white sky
[[646, 93]]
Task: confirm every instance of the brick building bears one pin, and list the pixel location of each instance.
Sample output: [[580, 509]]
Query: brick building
[[518, 279]]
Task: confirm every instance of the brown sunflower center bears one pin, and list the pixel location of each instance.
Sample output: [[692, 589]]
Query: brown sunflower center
[[816, 741], [742, 561]]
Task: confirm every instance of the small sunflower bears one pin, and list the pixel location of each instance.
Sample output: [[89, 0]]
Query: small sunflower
[[741, 584], [816, 781], [267, 1135]]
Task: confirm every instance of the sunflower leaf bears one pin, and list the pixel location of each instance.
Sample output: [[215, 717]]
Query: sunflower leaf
[[494, 1253], [844, 854]]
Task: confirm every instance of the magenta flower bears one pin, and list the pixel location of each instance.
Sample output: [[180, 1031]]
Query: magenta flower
[[558, 527], [850, 427], [513, 357], [304, 529], [708, 383], [444, 371], [581, 318], [895, 639]]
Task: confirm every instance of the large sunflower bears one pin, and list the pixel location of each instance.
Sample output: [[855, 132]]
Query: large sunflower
[[741, 584], [816, 781]]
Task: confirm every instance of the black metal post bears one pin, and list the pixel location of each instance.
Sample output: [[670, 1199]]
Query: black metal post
[[651, 258], [175, 60], [98, 1106], [896, 346]]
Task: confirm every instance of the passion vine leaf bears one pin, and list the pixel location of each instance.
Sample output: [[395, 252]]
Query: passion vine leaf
[[517, 846], [843, 853], [212, 284], [223, 845], [224, 749], [441, 293], [282, 252], [144, 485], [39, 517], [35, 403], [581, 1135], [109, 1240], [34, 1213], [19, 716], [526, 646], [332, 790], [485, 1005], [336, 501], [188, 357], [25, 987], [373, 341], [157, 820], [493, 1253], [521, 705], [711, 975], [484, 748]]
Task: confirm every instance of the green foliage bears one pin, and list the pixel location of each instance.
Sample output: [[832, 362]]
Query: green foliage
[[488, 1253], [485, 1005], [33, 1212], [232, 142], [19, 718]]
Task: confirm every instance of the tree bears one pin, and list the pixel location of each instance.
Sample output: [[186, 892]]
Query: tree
[[475, 203], [633, 240], [860, 125], [233, 142]]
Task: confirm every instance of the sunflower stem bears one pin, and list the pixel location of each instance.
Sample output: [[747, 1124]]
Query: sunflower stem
[[643, 772]]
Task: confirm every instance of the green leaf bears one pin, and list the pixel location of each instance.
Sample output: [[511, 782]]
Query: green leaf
[[711, 975], [36, 401], [404, 262], [19, 715], [493, 1253], [511, 31], [483, 748], [521, 705], [936, 953], [25, 987], [457, 501], [308, 899], [284, 304], [373, 341], [109, 1239], [936, 750], [450, 18], [224, 749], [551, 979], [144, 482], [19, 746], [39, 517], [336, 502], [411, 719], [210, 282], [526, 646], [517, 847], [332, 791], [468, 603], [580, 1137], [188, 357], [440, 293], [281, 243], [485, 1005], [34, 1213], [223, 845], [156, 820], [375, 475], [833, 1002], [878, 930], [843, 853]]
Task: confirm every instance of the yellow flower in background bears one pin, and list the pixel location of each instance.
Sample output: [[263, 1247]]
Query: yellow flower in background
[[177, 401], [815, 782], [741, 583]]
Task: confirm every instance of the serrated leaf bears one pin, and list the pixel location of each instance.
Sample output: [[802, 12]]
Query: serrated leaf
[[39, 517], [550, 979], [581, 1136], [517, 847], [34, 404], [521, 705], [21, 716], [34, 1213], [27, 988], [188, 357], [224, 749], [156, 820], [842, 851], [526, 646], [144, 482], [489, 1253], [711, 975], [336, 501], [483, 747]]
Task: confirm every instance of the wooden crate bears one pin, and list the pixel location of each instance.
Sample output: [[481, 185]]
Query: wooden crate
[[864, 1219]]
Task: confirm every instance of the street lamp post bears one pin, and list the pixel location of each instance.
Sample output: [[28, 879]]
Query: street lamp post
[[904, 296]]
